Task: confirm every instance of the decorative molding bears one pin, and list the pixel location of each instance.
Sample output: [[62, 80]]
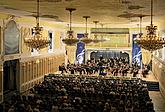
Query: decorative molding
[[26, 83], [10, 57], [40, 56]]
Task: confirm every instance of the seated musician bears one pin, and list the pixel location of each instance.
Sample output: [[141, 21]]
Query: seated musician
[[145, 71]]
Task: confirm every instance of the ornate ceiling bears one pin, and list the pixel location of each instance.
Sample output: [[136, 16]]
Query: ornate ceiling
[[108, 12]]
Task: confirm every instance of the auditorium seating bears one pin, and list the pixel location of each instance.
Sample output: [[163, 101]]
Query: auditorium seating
[[70, 93]]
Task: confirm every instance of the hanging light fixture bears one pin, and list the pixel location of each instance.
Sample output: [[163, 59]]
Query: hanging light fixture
[[85, 39], [151, 41], [37, 41], [102, 36], [70, 39], [95, 40], [140, 28]]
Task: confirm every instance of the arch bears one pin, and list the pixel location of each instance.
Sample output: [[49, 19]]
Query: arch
[[11, 38]]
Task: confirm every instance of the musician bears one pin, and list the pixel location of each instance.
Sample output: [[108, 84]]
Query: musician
[[135, 71], [62, 68], [145, 71]]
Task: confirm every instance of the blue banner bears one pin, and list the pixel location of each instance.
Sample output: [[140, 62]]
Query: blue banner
[[80, 52], [136, 52]]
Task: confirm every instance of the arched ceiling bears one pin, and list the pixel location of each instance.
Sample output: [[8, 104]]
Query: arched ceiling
[[108, 12]]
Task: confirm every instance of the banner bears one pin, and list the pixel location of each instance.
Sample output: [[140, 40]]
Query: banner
[[80, 52], [136, 52]]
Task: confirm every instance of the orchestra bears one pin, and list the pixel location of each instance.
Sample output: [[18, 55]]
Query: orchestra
[[113, 66]]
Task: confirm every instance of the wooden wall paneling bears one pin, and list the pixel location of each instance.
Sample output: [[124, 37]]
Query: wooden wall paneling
[[21, 73], [26, 69], [29, 75], [49, 65], [38, 69], [158, 71], [30, 68], [34, 67], [42, 67], [27, 72], [46, 65], [52, 64], [55, 63], [24, 73], [1, 83]]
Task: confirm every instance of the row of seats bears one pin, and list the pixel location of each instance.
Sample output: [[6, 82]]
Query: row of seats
[[84, 94]]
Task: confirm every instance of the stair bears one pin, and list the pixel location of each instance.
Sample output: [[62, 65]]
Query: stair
[[152, 86]]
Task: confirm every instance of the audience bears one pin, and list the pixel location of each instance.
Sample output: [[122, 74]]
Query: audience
[[83, 94], [59, 93]]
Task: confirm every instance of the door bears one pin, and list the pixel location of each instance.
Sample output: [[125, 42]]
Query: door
[[10, 75]]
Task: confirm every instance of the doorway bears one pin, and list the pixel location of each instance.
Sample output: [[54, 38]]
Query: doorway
[[10, 75]]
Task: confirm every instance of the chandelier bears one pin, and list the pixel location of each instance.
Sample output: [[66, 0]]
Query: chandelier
[[151, 41], [85, 39], [140, 29], [70, 39], [96, 40], [37, 41]]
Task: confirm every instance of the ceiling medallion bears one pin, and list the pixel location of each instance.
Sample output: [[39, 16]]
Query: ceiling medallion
[[151, 41], [37, 41], [70, 39], [85, 39]]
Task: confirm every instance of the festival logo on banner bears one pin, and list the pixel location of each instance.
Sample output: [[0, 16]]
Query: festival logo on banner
[[136, 52], [80, 52]]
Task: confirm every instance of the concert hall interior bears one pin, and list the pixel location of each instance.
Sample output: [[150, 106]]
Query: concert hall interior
[[82, 56]]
